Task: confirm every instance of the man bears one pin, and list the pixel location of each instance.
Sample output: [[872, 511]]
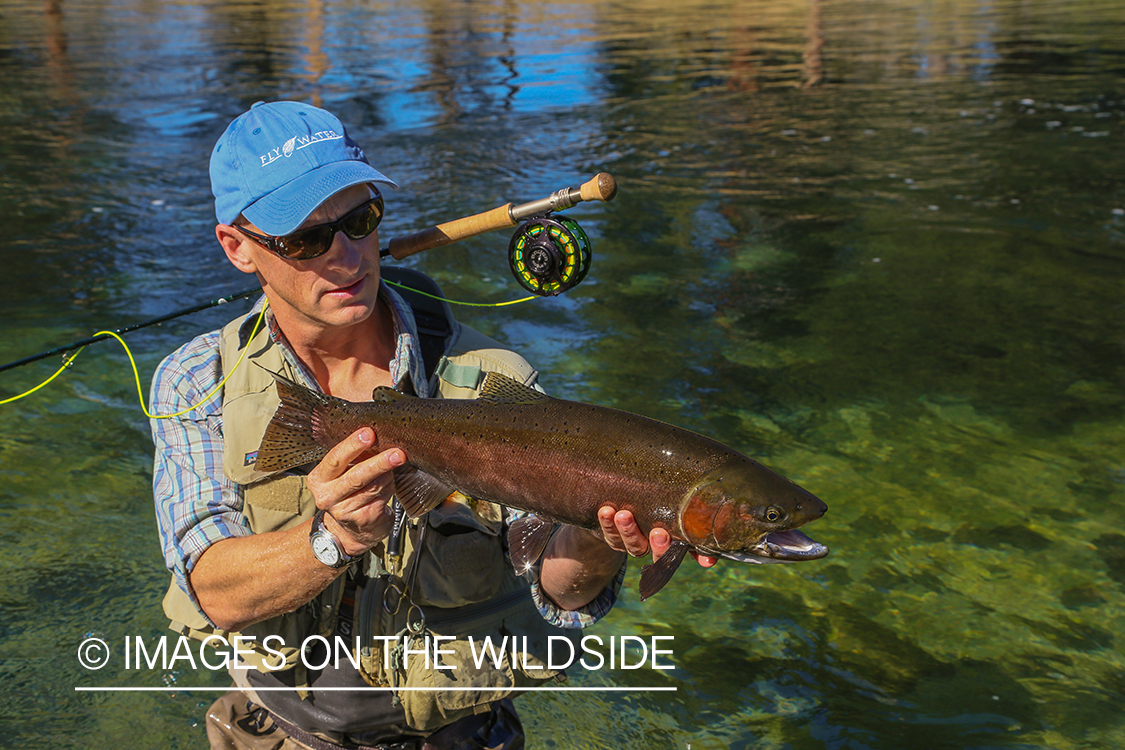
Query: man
[[308, 553]]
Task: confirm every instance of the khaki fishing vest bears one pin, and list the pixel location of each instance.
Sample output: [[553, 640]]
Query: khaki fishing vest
[[464, 584]]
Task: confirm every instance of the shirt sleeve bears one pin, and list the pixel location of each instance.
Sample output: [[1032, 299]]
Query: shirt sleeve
[[583, 617], [196, 505]]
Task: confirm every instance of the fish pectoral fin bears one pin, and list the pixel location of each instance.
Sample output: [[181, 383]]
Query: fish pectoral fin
[[655, 576], [527, 538], [500, 389], [418, 491]]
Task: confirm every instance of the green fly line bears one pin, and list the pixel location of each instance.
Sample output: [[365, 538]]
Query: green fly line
[[465, 304], [68, 361]]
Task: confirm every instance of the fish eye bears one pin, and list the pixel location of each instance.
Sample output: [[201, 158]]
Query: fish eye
[[773, 514]]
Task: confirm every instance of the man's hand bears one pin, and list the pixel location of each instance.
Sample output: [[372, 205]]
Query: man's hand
[[579, 563], [354, 488], [621, 533], [246, 579]]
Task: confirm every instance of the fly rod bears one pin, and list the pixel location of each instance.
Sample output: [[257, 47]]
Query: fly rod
[[134, 327], [548, 255]]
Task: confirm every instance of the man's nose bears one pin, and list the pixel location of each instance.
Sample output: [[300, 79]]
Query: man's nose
[[345, 251]]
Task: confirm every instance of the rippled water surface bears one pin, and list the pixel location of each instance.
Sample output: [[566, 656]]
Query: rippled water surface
[[879, 246]]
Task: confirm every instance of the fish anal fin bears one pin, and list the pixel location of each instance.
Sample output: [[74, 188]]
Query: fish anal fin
[[418, 491], [655, 576], [501, 389], [527, 538]]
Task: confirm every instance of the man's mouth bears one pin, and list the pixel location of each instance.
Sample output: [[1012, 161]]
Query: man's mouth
[[350, 289]]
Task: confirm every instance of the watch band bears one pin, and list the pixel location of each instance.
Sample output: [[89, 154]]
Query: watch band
[[319, 530]]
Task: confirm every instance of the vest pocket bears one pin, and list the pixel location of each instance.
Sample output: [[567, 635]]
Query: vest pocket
[[439, 705], [511, 651], [457, 569]]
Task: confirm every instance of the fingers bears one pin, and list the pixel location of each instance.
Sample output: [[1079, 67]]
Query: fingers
[[372, 475], [660, 540], [338, 460], [703, 560], [622, 533], [355, 487], [349, 469]]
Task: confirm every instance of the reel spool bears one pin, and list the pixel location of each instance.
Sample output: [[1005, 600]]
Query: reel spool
[[549, 254]]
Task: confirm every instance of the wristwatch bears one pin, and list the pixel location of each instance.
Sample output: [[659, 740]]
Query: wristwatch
[[325, 547]]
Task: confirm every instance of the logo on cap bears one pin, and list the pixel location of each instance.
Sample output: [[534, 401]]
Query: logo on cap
[[296, 143]]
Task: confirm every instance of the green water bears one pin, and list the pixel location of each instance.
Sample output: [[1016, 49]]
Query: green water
[[878, 246]]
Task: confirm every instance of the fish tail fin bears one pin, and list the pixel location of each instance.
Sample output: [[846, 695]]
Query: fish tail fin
[[305, 427], [527, 538], [655, 576]]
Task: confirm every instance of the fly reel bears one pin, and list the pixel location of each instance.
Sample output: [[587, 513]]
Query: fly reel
[[549, 254]]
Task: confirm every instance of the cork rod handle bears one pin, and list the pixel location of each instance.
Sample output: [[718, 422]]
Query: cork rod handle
[[451, 231], [602, 187]]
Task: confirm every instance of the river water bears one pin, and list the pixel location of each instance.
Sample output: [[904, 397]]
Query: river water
[[877, 245]]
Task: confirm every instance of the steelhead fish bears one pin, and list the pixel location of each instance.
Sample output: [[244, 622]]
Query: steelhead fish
[[561, 460]]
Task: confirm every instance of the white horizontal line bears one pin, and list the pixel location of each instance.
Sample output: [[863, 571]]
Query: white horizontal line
[[361, 689]]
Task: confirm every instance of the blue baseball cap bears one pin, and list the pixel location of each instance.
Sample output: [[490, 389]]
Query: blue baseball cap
[[277, 162]]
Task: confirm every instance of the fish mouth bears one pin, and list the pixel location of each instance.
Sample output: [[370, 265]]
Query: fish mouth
[[781, 547]]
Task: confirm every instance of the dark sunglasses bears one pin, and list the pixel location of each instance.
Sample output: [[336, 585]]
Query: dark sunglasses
[[305, 244]]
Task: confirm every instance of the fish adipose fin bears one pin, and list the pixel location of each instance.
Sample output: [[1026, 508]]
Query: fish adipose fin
[[418, 491], [501, 389], [527, 538], [385, 395], [655, 576]]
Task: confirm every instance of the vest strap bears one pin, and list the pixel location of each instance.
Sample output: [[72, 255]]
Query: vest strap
[[460, 376]]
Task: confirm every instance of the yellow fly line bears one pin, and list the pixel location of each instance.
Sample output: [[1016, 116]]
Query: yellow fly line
[[68, 361], [137, 377]]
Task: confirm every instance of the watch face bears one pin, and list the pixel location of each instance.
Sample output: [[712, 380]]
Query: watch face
[[325, 550]]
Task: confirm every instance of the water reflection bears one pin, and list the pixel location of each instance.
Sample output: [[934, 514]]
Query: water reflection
[[877, 245]]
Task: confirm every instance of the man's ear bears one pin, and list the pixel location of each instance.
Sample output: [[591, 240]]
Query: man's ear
[[232, 241]]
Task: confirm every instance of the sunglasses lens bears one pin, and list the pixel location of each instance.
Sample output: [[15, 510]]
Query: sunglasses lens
[[313, 242], [363, 221], [305, 244]]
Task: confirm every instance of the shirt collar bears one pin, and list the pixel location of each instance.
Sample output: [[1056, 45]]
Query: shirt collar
[[406, 363]]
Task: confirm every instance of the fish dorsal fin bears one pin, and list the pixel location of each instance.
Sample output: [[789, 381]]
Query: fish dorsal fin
[[385, 394], [500, 389]]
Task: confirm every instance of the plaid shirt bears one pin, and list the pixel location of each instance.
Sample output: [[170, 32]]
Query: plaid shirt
[[196, 505]]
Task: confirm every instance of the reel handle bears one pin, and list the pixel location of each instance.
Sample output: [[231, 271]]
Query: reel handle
[[602, 187]]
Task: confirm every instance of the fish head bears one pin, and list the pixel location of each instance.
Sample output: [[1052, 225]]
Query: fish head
[[748, 513]]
